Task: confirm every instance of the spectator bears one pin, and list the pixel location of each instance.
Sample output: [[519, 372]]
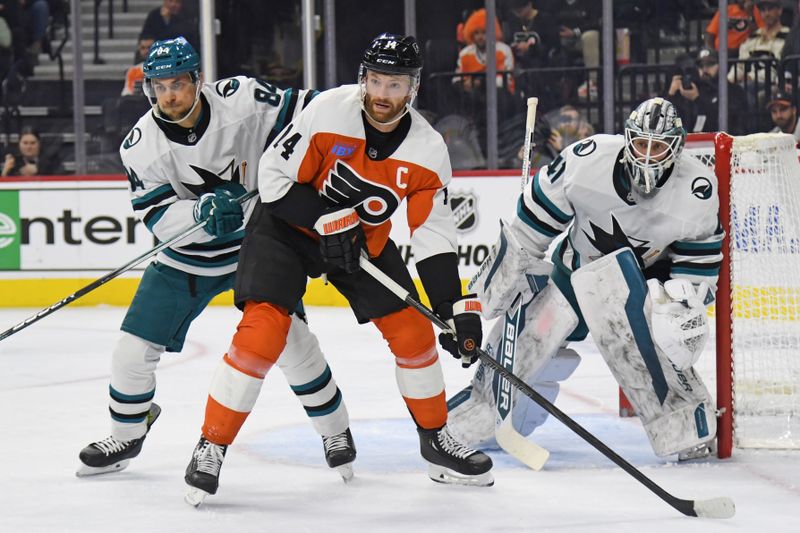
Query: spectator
[[135, 74], [37, 15], [578, 27], [784, 115], [742, 20], [695, 93], [170, 21], [792, 45], [29, 160], [472, 57], [533, 34], [766, 42]]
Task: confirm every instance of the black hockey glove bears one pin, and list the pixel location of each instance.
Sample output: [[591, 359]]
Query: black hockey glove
[[222, 213], [341, 238], [464, 317]]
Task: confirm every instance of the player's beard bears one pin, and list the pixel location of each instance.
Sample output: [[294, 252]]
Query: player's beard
[[385, 112], [175, 111]]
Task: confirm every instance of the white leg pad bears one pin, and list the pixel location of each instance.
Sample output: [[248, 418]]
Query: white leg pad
[[674, 406], [548, 321]]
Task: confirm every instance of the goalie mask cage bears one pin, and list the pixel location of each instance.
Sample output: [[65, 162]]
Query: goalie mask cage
[[757, 311]]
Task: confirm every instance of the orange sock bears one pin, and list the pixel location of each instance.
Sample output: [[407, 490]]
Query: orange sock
[[257, 344]]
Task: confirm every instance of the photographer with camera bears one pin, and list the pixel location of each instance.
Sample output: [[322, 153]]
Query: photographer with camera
[[694, 92]]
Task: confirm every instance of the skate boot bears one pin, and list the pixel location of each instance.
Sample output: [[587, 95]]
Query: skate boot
[[451, 461], [202, 474], [699, 452], [110, 454], [340, 452]]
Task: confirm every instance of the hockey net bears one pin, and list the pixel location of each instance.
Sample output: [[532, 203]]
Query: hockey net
[[757, 315]]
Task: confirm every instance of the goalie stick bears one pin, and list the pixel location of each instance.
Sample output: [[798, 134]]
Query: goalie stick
[[111, 275], [508, 438], [721, 507]]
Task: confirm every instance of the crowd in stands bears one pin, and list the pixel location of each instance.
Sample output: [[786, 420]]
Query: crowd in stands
[[545, 48]]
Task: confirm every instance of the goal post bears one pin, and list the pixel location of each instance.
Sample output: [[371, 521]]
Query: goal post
[[756, 371]]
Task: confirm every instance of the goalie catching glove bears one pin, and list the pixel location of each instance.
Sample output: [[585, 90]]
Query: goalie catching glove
[[679, 323], [221, 211], [341, 238], [464, 317]]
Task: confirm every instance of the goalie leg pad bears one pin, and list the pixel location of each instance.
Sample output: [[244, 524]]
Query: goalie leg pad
[[671, 403], [546, 323], [508, 271]]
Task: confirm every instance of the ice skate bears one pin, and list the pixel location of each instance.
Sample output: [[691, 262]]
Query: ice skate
[[451, 461], [202, 474], [340, 452], [110, 454]]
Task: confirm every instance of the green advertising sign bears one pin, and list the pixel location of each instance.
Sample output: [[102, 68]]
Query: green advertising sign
[[9, 230]]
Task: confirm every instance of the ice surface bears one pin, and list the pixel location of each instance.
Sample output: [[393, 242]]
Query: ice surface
[[53, 390]]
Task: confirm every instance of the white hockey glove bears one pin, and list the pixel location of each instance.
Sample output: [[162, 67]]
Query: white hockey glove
[[678, 320], [508, 271]]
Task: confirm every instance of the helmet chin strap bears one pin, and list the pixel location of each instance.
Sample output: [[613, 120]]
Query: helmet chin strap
[[157, 110], [405, 111]]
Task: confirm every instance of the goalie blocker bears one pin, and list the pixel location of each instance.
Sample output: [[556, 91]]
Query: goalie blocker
[[674, 405]]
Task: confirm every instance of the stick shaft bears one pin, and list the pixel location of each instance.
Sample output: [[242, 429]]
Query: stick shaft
[[530, 122], [111, 275]]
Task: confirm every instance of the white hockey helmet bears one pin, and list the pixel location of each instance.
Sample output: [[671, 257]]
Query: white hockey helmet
[[654, 139]]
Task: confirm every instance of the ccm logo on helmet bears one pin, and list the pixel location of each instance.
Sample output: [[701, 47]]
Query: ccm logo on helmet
[[344, 187]]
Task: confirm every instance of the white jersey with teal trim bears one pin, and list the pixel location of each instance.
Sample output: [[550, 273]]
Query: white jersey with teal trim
[[169, 167], [586, 193]]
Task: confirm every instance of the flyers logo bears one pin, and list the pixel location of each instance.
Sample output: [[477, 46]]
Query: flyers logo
[[344, 187]]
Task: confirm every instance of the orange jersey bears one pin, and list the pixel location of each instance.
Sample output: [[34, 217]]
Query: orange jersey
[[738, 29], [325, 146], [471, 59]]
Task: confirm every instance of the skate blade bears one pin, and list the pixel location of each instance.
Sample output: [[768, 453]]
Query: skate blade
[[86, 470], [195, 497], [346, 471], [440, 474]]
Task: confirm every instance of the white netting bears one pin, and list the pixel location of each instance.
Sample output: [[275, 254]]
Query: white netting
[[765, 266]]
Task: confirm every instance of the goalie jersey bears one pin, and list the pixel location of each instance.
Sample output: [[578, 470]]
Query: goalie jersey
[[586, 190], [326, 147], [169, 167]]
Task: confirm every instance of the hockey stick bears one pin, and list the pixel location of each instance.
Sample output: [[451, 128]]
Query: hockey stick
[[721, 507], [111, 275], [530, 122], [508, 438]]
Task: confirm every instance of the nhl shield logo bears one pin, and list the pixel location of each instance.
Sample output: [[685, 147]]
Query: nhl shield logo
[[465, 211]]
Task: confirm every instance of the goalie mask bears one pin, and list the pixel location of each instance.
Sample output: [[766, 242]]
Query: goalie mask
[[654, 139], [168, 59], [396, 62]]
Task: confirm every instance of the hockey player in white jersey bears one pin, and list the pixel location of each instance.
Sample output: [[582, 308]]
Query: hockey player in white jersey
[[636, 265], [188, 160]]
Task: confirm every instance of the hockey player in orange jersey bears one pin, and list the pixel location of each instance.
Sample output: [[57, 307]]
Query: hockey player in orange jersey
[[328, 186]]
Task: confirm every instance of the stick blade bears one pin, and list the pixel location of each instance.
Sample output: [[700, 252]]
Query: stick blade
[[520, 448], [715, 508]]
